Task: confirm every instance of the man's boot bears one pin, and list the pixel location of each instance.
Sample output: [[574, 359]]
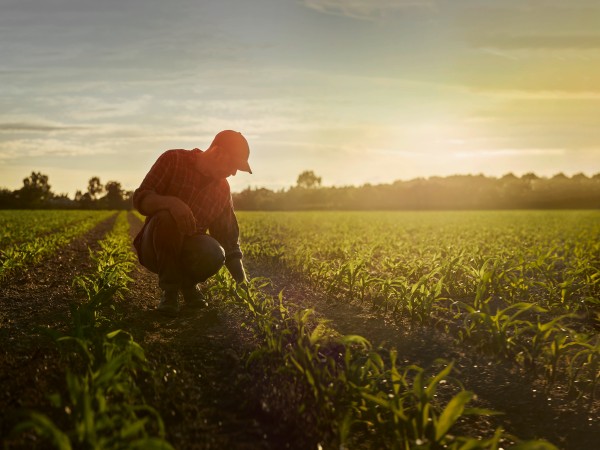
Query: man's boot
[[193, 297], [169, 305]]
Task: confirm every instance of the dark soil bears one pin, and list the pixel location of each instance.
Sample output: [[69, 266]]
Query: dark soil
[[207, 395], [37, 299]]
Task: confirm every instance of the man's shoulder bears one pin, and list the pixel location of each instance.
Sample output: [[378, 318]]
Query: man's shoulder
[[176, 155], [180, 153]]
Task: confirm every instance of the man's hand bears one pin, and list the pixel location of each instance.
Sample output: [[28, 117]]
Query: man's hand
[[236, 269], [183, 216], [179, 210]]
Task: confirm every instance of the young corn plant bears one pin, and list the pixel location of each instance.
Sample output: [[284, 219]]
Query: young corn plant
[[584, 368], [418, 303], [35, 248], [542, 334], [356, 395], [104, 407], [101, 406], [497, 334]]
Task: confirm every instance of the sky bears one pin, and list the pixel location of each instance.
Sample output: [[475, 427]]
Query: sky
[[359, 91]]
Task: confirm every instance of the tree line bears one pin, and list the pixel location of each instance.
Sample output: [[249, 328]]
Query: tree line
[[36, 193], [434, 193], [452, 192]]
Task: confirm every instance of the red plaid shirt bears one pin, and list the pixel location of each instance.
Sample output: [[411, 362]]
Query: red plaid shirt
[[174, 173]]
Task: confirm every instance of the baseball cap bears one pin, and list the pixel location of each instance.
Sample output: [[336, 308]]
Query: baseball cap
[[236, 145]]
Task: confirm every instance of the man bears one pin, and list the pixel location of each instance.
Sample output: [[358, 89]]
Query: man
[[184, 195]]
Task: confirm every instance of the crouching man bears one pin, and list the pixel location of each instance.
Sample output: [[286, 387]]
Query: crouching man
[[191, 229]]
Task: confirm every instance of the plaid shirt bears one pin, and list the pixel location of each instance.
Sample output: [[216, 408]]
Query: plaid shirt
[[174, 173]]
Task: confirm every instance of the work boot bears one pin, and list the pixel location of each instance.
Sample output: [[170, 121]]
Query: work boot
[[193, 297], [168, 303]]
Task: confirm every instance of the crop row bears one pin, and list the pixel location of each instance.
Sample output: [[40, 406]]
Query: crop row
[[359, 395], [533, 304], [44, 236], [17, 226], [103, 406]]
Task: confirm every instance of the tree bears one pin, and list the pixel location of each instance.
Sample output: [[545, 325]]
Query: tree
[[94, 187], [84, 200], [308, 179], [560, 176], [114, 195], [35, 190], [530, 176], [509, 177], [580, 177], [7, 198]]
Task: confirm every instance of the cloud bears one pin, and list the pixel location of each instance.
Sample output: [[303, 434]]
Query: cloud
[[366, 9], [533, 29], [92, 108], [537, 42], [517, 94], [31, 148], [512, 152], [35, 127]]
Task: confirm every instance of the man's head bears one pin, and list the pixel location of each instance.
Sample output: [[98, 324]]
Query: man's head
[[232, 150]]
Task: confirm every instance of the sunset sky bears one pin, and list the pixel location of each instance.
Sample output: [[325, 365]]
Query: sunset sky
[[357, 90]]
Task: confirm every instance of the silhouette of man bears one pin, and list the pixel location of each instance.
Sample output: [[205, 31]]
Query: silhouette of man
[[184, 196]]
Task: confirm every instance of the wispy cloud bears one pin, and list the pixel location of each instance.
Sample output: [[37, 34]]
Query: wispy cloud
[[27, 148], [92, 108], [366, 9], [535, 42], [517, 94], [35, 127], [512, 152]]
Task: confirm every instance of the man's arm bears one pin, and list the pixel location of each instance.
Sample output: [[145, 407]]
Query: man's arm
[[226, 230], [148, 201], [152, 202]]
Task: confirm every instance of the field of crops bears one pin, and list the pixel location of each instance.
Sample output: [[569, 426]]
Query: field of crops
[[459, 330]]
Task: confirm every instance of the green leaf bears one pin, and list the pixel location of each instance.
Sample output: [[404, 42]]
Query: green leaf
[[133, 428], [378, 400], [355, 339], [112, 334], [481, 412], [451, 413], [534, 445], [44, 427], [431, 387]]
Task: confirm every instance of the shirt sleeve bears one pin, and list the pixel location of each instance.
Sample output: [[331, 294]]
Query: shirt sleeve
[[225, 229], [157, 179]]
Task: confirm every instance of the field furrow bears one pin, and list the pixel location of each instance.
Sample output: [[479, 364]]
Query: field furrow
[[37, 299], [37, 241], [529, 410]]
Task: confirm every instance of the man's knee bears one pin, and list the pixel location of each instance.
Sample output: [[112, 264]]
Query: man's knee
[[210, 250], [202, 257], [161, 239]]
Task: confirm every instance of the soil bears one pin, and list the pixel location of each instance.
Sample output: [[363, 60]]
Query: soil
[[208, 396], [33, 301]]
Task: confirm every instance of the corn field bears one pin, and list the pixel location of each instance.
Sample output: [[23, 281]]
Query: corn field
[[280, 362]]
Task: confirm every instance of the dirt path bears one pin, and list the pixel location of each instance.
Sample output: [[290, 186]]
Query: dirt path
[[38, 297], [528, 412]]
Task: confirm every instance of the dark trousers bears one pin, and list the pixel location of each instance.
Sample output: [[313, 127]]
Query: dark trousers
[[180, 261]]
